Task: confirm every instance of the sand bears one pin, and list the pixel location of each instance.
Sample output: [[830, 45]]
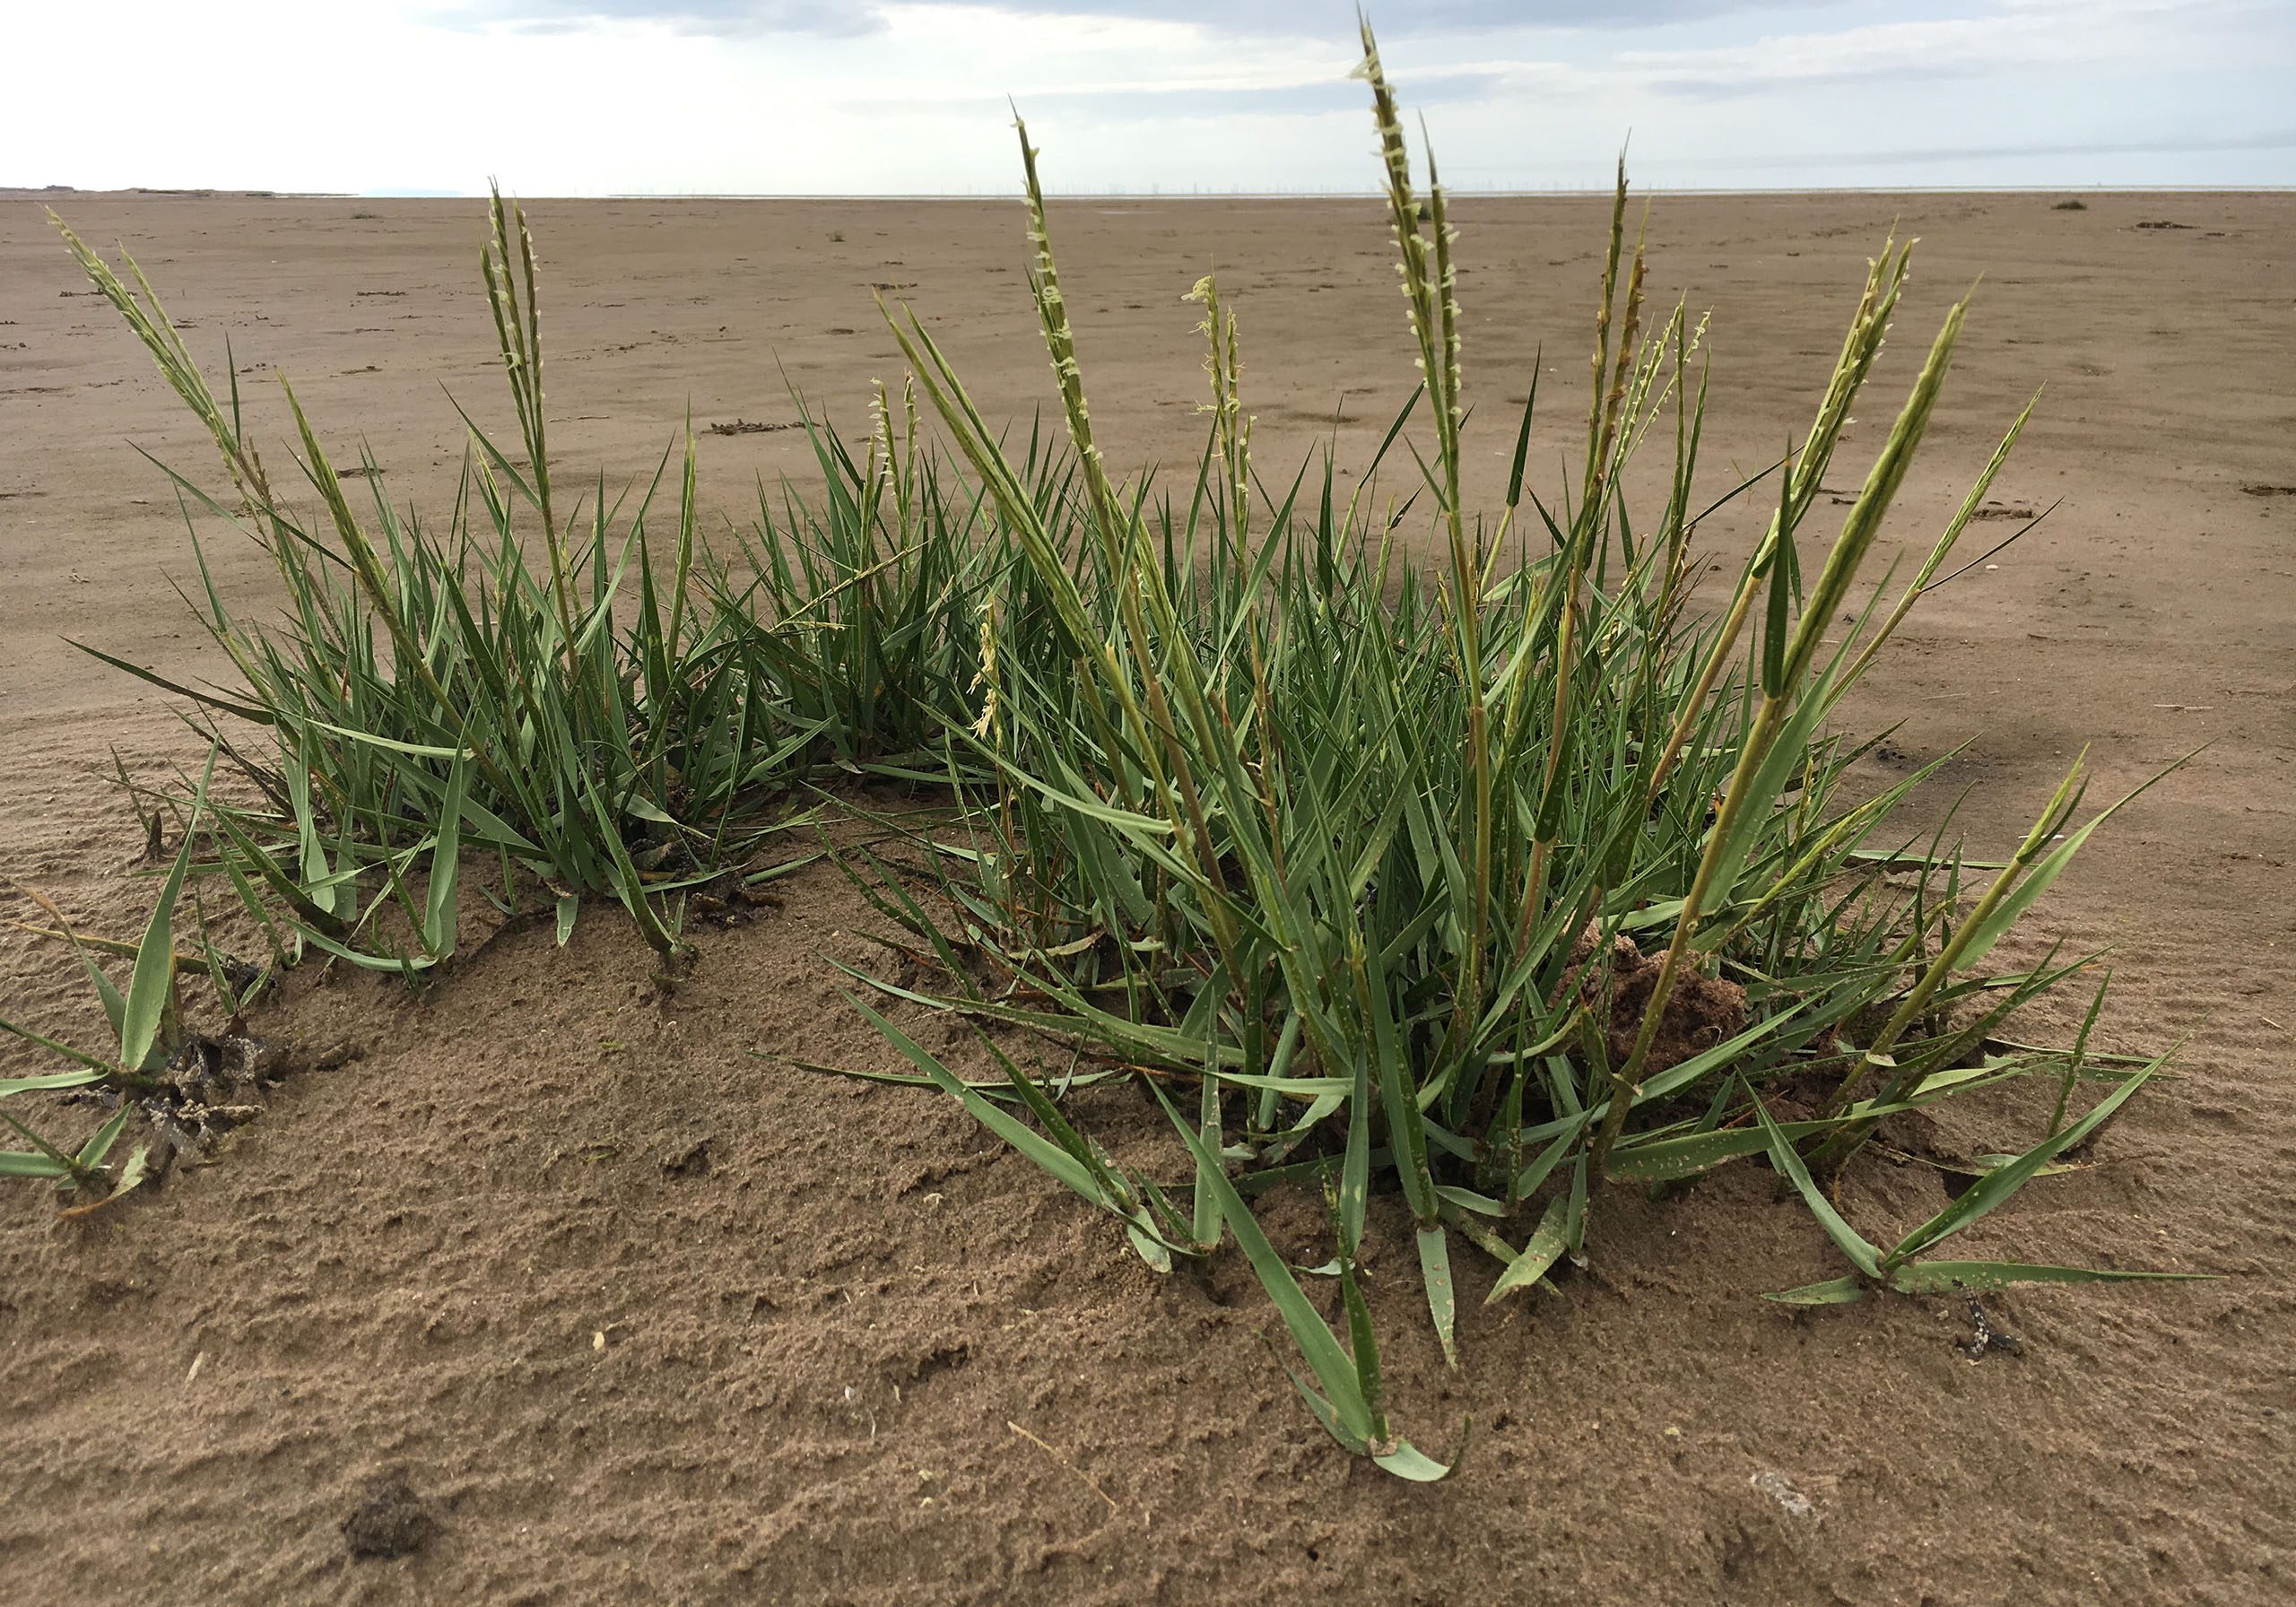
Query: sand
[[557, 1292]]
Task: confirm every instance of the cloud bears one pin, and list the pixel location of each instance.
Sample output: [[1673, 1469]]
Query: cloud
[[1123, 102], [2043, 36], [822, 19], [1293, 19], [907, 96]]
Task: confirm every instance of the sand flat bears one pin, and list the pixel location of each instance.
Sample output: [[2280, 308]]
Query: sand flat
[[2139, 1448]]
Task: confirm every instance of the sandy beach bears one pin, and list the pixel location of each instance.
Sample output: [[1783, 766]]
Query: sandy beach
[[892, 1361]]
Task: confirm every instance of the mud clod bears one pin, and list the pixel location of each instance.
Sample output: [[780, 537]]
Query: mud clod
[[1700, 1013], [389, 1520]]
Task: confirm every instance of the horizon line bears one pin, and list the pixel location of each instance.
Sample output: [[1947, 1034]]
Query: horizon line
[[205, 192]]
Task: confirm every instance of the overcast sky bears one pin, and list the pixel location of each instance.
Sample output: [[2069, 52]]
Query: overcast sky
[[594, 96]]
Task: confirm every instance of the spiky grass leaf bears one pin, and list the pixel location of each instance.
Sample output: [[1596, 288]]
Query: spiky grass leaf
[[1538, 1256]]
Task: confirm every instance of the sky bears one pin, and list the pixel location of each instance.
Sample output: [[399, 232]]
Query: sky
[[909, 97]]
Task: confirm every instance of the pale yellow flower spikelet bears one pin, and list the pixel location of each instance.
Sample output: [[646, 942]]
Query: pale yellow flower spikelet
[[986, 677], [1060, 338], [1223, 361]]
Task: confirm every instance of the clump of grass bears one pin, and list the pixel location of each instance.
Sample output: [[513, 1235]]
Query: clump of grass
[[189, 1086], [2070, 204], [145, 1022], [155, 1062], [860, 611], [615, 720], [1481, 884], [1485, 885]]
